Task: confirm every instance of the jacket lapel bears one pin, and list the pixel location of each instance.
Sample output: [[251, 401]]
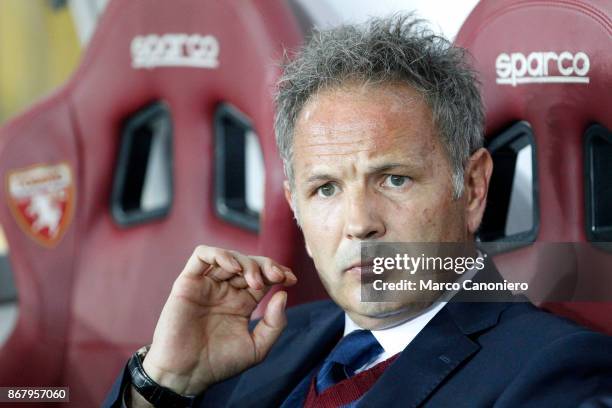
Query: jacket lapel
[[298, 351], [433, 355]]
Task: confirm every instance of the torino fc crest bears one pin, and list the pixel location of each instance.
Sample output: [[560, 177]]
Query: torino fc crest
[[41, 198]]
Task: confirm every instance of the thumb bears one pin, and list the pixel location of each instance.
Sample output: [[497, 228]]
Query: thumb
[[270, 326]]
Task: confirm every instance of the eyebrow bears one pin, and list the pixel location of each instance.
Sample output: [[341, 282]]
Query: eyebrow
[[371, 170], [319, 177], [386, 167]]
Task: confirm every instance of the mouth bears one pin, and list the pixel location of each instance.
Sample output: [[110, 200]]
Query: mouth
[[361, 268]]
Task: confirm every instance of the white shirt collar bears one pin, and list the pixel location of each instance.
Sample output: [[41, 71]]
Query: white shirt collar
[[395, 339]]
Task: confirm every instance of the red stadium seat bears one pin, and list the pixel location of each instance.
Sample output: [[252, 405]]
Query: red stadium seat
[[547, 64], [94, 254]]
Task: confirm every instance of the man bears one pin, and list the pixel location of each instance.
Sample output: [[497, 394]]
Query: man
[[380, 130]]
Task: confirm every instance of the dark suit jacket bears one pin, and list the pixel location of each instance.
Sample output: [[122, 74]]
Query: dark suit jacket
[[469, 355]]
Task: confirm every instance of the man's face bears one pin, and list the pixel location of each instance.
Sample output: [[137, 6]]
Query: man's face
[[369, 165]]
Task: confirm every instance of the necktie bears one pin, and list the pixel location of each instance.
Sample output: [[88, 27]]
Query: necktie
[[355, 350]]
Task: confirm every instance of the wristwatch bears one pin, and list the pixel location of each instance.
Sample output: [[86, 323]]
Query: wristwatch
[[154, 393]]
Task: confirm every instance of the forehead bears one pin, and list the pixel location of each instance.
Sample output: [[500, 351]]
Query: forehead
[[371, 119]]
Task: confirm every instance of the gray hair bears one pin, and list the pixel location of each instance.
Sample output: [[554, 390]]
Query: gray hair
[[399, 48]]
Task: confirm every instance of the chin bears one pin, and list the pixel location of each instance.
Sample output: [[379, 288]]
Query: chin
[[382, 315], [351, 303], [348, 297], [377, 315], [378, 309]]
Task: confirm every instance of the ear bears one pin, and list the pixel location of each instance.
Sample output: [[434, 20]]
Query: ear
[[289, 198], [477, 177], [288, 195], [308, 251]]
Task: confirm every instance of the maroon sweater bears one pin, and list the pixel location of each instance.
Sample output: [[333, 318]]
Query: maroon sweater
[[348, 390]]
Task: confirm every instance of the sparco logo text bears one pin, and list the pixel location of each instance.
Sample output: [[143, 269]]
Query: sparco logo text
[[542, 67], [175, 50]]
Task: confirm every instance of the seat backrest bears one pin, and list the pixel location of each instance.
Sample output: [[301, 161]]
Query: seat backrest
[[144, 154], [546, 79]]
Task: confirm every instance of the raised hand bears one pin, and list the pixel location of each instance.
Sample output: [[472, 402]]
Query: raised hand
[[202, 334]]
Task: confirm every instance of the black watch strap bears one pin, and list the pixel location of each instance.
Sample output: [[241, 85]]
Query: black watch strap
[[154, 393]]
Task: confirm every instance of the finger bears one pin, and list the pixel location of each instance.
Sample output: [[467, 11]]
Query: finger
[[198, 262], [238, 282], [251, 271], [204, 257], [226, 260], [290, 279], [272, 273], [225, 267], [275, 273], [284, 268], [270, 326]]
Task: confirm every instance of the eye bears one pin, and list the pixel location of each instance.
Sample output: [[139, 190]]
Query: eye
[[326, 190], [395, 181]]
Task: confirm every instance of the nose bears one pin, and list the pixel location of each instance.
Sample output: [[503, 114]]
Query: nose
[[362, 218]]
